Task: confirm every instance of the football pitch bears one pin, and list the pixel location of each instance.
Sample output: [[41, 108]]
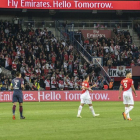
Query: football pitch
[[57, 121]]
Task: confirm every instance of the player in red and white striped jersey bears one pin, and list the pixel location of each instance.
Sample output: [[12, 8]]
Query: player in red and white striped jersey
[[85, 97], [128, 87]]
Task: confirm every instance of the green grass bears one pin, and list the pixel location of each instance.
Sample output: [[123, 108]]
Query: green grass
[[57, 121]]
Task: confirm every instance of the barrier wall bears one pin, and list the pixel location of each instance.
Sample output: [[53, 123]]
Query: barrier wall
[[32, 96], [71, 4]]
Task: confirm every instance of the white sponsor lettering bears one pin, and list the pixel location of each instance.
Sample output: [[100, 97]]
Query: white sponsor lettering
[[95, 35], [59, 4], [63, 4], [52, 96], [5, 96], [92, 5], [66, 95], [28, 97], [99, 96], [13, 3], [33, 4]]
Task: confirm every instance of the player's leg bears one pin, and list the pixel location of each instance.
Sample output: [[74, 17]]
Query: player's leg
[[21, 106], [14, 109], [131, 106], [14, 100], [80, 108], [92, 109], [125, 113], [125, 102]]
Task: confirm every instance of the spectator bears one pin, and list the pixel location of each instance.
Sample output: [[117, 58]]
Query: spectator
[[61, 84], [0, 84], [120, 72], [138, 85], [111, 84], [34, 86], [27, 87], [0, 71], [47, 84], [37, 84], [3, 88]]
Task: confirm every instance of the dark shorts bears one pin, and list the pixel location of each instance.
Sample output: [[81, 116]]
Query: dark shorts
[[17, 97]]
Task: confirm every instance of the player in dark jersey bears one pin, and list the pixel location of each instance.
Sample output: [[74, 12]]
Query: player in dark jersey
[[17, 84]]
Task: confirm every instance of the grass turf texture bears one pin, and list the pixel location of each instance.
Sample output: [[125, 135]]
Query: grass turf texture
[[57, 121]]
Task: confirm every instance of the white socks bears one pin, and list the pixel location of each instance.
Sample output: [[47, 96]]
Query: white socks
[[130, 108], [92, 110], [79, 110], [127, 110]]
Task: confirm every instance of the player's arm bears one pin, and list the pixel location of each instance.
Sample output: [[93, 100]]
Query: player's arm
[[93, 86], [133, 88], [120, 91], [22, 84]]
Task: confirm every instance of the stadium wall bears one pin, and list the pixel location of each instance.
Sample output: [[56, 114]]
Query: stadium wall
[[46, 96]]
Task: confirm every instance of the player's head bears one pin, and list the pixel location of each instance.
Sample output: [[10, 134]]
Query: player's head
[[18, 74], [128, 74], [87, 77]]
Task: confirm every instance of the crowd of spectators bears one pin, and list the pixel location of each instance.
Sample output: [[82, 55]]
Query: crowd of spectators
[[137, 28], [42, 59], [117, 51]]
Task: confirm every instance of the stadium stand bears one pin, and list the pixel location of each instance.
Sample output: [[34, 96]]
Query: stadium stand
[[42, 59], [50, 63]]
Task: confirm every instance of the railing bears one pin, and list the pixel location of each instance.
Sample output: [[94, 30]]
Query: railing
[[82, 50], [81, 23], [38, 24], [64, 30], [88, 24]]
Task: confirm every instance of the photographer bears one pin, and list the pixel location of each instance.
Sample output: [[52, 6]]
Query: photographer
[[111, 83]]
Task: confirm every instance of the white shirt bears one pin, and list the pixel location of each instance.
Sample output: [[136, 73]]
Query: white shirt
[[65, 64], [111, 49], [47, 83], [0, 70], [48, 49], [64, 44], [70, 84]]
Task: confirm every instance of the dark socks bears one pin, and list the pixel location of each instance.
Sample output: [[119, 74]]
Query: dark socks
[[21, 110], [14, 108]]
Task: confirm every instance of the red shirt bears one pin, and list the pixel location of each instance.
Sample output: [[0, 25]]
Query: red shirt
[[66, 57], [126, 83], [71, 57], [132, 64], [53, 59], [85, 84], [46, 71], [43, 61], [75, 72], [10, 61], [61, 82], [14, 66]]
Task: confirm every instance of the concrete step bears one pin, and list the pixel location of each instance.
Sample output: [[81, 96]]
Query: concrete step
[[135, 37], [136, 40], [134, 33]]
